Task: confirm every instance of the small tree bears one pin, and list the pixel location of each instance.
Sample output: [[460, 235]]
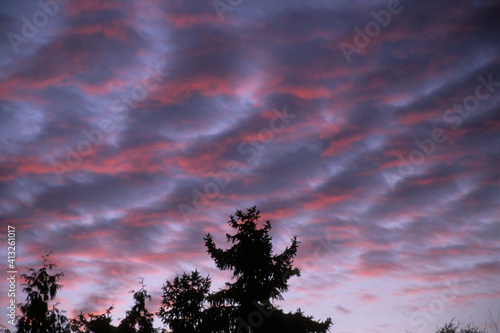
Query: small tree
[[138, 319], [182, 306], [41, 288], [92, 323]]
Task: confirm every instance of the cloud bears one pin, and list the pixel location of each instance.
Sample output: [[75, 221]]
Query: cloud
[[190, 102]]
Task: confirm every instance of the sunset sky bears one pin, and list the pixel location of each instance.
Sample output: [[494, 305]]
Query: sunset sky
[[370, 129]]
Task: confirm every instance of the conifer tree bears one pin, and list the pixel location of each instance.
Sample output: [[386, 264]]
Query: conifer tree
[[260, 276], [183, 303], [41, 287], [138, 319]]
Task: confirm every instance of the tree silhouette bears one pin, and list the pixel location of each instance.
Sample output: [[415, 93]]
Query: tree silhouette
[[182, 306], [41, 287], [260, 275], [290, 322], [455, 328], [92, 323], [138, 319]]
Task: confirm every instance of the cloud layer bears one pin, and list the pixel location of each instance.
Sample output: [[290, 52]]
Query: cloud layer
[[369, 129]]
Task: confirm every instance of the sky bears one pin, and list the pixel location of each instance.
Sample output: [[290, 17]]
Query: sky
[[370, 129]]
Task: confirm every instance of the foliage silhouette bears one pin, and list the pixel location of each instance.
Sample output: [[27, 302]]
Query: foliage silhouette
[[138, 319], [455, 328], [183, 302], [92, 323], [260, 276], [187, 305], [292, 323], [41, 287]]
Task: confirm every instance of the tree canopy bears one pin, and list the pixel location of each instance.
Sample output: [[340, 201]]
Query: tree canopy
[[259, 277], [182, 306], [41, 287]]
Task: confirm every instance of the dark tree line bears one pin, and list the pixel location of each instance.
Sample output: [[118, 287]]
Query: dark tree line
[[260, 276], [245, 305]]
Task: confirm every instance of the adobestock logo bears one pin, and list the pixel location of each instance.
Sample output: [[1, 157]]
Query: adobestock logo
[[454, 117], [120, 109], [372, 29], [220, 180], [436, 306], [40, 19]]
